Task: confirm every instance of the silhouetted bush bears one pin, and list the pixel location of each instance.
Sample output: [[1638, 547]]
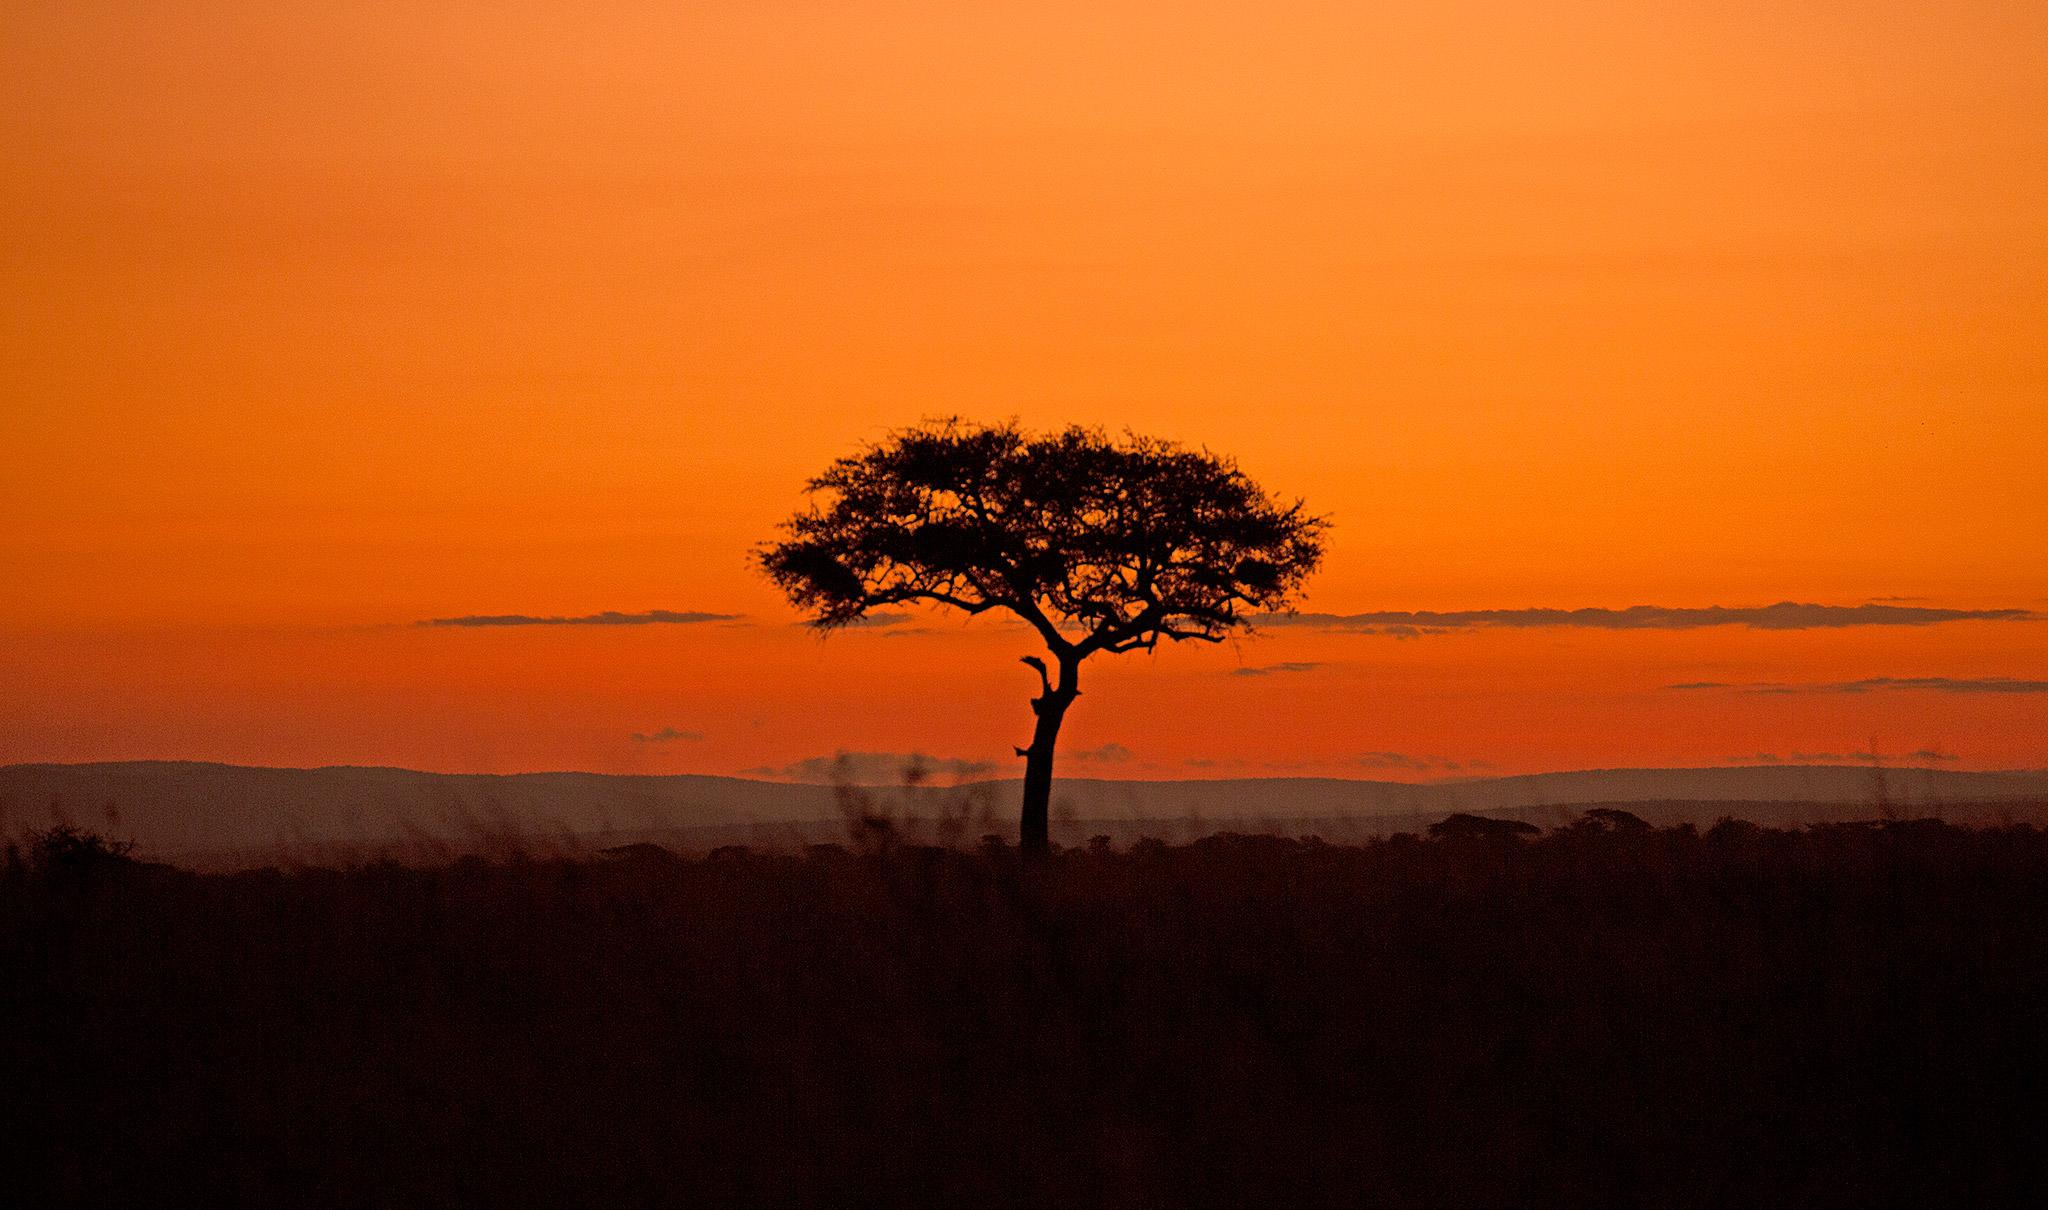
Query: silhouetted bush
[[1479, 827], [1612, 819], [1602, 1015], [66, 850]]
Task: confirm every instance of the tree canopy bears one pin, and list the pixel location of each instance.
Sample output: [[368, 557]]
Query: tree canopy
[[1100, 543]]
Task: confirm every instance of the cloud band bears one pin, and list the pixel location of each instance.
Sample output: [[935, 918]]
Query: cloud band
[[610, 617], [1785, 615], [1878, 684]]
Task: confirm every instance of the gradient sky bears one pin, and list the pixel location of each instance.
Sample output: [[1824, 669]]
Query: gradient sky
[[318, 321]]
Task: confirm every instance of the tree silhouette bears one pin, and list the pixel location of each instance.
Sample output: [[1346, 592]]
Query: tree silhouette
[[1098, 543]]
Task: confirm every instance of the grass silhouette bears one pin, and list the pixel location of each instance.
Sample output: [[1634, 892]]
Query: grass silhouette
[[1606, 1013]]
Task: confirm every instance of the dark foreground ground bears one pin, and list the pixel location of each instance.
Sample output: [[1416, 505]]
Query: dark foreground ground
[[1842, 1016]]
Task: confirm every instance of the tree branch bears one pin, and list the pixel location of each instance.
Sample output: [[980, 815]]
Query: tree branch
[[898, 596], [1026, 608], [1044, 678]]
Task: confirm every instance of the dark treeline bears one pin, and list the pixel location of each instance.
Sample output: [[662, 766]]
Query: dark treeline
[[1604, 1014]]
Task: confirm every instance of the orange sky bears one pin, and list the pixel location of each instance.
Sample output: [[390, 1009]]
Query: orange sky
[[321, 320]]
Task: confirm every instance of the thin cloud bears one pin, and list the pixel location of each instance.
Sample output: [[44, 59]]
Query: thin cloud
[[1876, 684], [1271, 669], [1239, 764], [1107, 754], [1394, 760], [879, 620], [667, 735], [1445, 767], [610, 617], [1419, 764], [1785, 615], [1842, 758], [872, 768]]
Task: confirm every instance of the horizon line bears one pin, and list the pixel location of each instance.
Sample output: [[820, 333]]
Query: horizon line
[[939, 783]]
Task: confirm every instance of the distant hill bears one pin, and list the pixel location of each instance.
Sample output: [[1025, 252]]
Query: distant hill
[[233, 814]]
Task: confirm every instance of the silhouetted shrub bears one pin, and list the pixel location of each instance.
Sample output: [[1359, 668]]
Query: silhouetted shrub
[[1478, 827], [1728, 831], [643, 854], [1613, 819], [67, 850]]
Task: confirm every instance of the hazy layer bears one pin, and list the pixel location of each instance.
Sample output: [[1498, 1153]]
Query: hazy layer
[[224, 812]]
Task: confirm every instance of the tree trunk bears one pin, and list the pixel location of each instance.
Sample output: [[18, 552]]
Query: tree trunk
[[1034, 832]]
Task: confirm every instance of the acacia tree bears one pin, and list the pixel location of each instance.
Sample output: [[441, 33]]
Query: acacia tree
[[1100, 544]]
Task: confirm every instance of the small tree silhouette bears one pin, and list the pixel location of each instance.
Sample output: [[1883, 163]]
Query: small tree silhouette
[[1100, 544]]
